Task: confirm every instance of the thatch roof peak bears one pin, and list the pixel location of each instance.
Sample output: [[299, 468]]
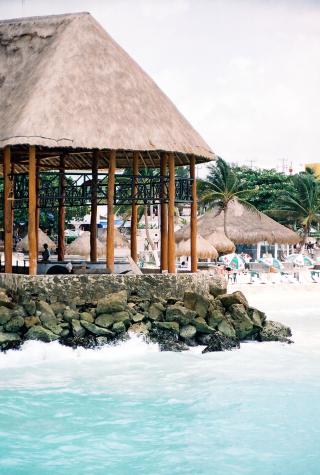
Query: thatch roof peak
[[65, 83]]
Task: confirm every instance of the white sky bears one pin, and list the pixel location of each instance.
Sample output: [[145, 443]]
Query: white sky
[[246, 74]]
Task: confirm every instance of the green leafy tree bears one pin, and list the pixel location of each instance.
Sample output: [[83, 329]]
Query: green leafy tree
[[301, 203], [222, 187]]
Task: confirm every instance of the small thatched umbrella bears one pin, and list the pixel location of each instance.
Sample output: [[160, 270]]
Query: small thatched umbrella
[[204, 248], [81, 246], [43, 238], [120, 241], [243, 227], [220, 242]]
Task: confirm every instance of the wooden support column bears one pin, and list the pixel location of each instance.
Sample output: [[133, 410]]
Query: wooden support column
[[193, 217], [134, 208], [38, 202], [7, 210], [163, 216], [62, 209], [110, 224], [172, 193], [32, 232], [94, 207]]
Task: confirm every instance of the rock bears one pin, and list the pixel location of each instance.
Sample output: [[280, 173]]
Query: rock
[[108, 319], [14, 325], [235, 298], [180, 314], [77, 328], [243, 324], [58, 307], [3, 296], [139, 328], [95, 329], [170, 326], [275, 331], [65, 332], [119, 327], [9, 340], [220, 342], [46, 310], [30, 307], [53, 326], [115, 302], [203, 338], [5, 315], [215, 313], [88, 317], [31, 321], [18, 311], [202, 326], [166, 339], [196, 302], [217, 288], [156, 311], [227, 329], [69, 314], [40, 333], [137, 317], [257, 317], [187, 332]]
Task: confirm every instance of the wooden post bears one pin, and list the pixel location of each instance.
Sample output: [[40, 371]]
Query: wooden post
[[134, 208], [38, 203], [94, 204], [163, 217], [62, 210], [7, 210], [110, 224], [172, 193], [32, 237], [193, 217]]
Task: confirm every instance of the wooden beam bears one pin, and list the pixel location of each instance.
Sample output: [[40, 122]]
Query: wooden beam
[[172, 193], [134, 208], [193, 217], [7, 210], [38, 202], [32, 212], [94, 207], [110, 224], [62, 209], [163, 216]]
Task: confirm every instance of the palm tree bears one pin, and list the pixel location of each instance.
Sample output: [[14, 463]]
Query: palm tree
[[221, 188], [301, 204]]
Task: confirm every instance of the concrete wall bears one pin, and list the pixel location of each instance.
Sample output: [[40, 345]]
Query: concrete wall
[[89, 288]]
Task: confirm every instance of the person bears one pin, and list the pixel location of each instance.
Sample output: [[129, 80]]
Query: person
[[45, 253]]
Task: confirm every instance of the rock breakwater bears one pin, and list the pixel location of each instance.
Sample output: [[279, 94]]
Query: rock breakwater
[[217, 320]]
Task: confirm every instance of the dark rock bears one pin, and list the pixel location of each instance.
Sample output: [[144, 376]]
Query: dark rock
[[196, 302], [275, 331], [5, 315], [88, 341], [257, 317], [9, 341], [180, 314], [243, 324], [45, 309], [108, 319], [215, 313], [217, 288], [30, 307], [118, 327], [235, 298], [226, 328], [137, 317], [170, 326], [69, 314], [87, 316], [166, 339], [220, 342], [40, 333], [156, 311], [14, 325], [202, 326], [203, 339], [58, 307], [95, 329], [115, 302], [77, 329], [31, 321]]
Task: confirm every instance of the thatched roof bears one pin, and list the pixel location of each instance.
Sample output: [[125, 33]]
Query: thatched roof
[[243, 227], [204, 248], [81, 245], [43, 238], [220, 242], [67, 86]]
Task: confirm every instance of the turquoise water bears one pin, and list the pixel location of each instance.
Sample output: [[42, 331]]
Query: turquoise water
[[133, 410]]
